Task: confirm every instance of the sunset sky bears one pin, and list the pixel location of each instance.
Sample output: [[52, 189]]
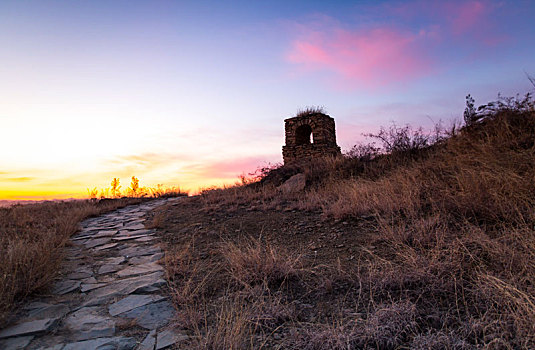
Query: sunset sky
[[194, 93]]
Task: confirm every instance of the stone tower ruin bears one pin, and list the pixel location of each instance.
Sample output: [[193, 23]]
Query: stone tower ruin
[[308, 136]]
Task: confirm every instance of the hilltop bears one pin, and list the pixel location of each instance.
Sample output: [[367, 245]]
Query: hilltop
[[424, 242]]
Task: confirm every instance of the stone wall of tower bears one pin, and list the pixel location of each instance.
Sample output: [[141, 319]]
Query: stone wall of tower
[[324, 138]]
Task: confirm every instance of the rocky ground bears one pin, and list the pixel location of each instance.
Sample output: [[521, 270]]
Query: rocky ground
[[111, 293]]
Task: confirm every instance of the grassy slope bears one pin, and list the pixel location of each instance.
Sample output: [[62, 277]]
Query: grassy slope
[[436, 250]]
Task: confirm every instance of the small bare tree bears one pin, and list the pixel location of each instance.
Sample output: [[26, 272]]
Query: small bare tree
[[531, 79], [134, 186], [115, 188], [470, 113], [93, 193]]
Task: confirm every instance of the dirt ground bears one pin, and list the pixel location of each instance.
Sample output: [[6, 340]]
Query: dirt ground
[[298, 311], [324, 240]]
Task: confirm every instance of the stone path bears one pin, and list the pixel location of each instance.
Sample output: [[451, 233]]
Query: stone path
[[110, 295]]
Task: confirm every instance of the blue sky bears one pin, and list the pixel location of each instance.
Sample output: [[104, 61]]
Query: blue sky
[[195, 93]]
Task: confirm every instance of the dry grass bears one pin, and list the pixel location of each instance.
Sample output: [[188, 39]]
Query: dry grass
[[165, 192], [311, 110], [239, 194], [224, 301], [253, 262], [32, 238]]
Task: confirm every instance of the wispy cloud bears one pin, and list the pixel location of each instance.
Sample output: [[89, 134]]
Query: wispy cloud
[[149, 160], [466, 16], [19, 179], [405, 42], [6, 176], [373, 57], [231, 168]]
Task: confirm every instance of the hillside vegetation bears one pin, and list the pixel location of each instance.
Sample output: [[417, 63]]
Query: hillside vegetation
[[423, 241]]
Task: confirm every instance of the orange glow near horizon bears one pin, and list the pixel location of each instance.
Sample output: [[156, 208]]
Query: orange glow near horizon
[[59, 193], [44, 185]]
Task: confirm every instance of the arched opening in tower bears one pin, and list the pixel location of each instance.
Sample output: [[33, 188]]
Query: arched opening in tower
[[303, 135]]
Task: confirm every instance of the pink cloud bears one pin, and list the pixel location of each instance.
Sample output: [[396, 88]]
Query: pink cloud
[[369, 58], [473, 21], [464, 16], [470, 19], [457, 16], [420, 37], [231, 168]]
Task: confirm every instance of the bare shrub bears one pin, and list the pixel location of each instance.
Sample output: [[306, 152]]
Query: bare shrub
[[396, 139], [364, 151]]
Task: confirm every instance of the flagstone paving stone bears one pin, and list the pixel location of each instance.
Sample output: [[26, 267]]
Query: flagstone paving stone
[[167, 338], [116, 343], [126, 238], [139, 260], [111, 274], [106, 246], [17, 343], [144, 239], [139, 251], [28, 328], [89, 280], [135, 232], [149, 342], [140, 269], [49, 311], [105, 233], [96, 242], [65, 286], [153, 315], [134, 227], [90, 286], [79, 275], [131, 302], [86, 323], [114, 260], [108, 268]]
